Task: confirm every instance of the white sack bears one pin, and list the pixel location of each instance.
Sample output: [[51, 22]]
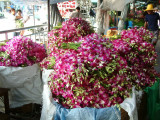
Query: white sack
[[130, 104], [48, 109], [121, 23], [24, 82]]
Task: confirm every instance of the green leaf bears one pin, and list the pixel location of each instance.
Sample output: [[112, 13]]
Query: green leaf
[[70, 45], [2, 43], [72, 86], [57, 27], [82, 98], [91, 80]]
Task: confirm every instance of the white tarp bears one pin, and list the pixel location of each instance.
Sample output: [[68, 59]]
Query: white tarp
[[25, 84], [117, 5], [48, 108], [35, 2], [121, 22]]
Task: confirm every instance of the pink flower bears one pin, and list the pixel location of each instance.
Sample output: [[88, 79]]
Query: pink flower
[[21, 51]]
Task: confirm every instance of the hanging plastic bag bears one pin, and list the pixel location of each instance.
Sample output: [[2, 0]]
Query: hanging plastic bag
[[153, 101]]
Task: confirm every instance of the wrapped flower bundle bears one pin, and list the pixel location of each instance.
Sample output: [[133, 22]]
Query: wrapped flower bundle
[[90, 71], [66, 36], [93, 68], [70, 31], [20, 52]]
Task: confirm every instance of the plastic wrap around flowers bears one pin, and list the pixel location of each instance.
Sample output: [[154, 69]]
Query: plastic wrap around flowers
[[21, 51], [93, 68]]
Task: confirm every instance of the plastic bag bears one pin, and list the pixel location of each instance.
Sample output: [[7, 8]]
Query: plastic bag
[[25, 84], [153, 101], [110, 113]]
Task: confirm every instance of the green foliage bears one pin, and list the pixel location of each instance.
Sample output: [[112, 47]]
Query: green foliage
[[4, 55], [2, 43], [136, 22], [114, 37], [59, 25], [70, 45], [52, 62]]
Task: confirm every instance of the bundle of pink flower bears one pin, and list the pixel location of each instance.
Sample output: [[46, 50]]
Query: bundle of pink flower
[[21, 51], [94, 67], [139, 54], [97, 73], [70, 32]]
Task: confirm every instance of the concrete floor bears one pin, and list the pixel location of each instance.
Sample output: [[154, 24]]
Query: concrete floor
[[157, 47]]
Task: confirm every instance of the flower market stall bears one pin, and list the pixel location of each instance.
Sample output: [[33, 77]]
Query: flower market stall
[[102, 14], [85, 76], [89, 71], [20, 72]]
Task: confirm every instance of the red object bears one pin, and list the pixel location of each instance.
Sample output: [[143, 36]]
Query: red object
[[66, 6], [73, 2], [113, 29]]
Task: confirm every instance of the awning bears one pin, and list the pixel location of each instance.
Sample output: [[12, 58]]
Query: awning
[[35, 2], [5, 0]]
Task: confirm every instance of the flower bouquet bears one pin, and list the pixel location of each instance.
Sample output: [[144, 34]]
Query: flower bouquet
[[84, 64], [20, 52], [20, 72], [139, 54], [91, 71]]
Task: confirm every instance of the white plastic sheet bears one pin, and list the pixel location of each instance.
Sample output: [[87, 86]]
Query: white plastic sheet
[[49, 109], [25, 84], [121, 23], [130, 104], [117, 5], [35, 2]]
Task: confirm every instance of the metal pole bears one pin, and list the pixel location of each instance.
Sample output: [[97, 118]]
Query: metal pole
[[6, 36], [134, 8], [34, 23], [48, 5], [34, 15]]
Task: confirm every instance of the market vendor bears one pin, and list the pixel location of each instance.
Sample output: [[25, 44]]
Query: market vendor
[[77, 13], [151, 23]]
